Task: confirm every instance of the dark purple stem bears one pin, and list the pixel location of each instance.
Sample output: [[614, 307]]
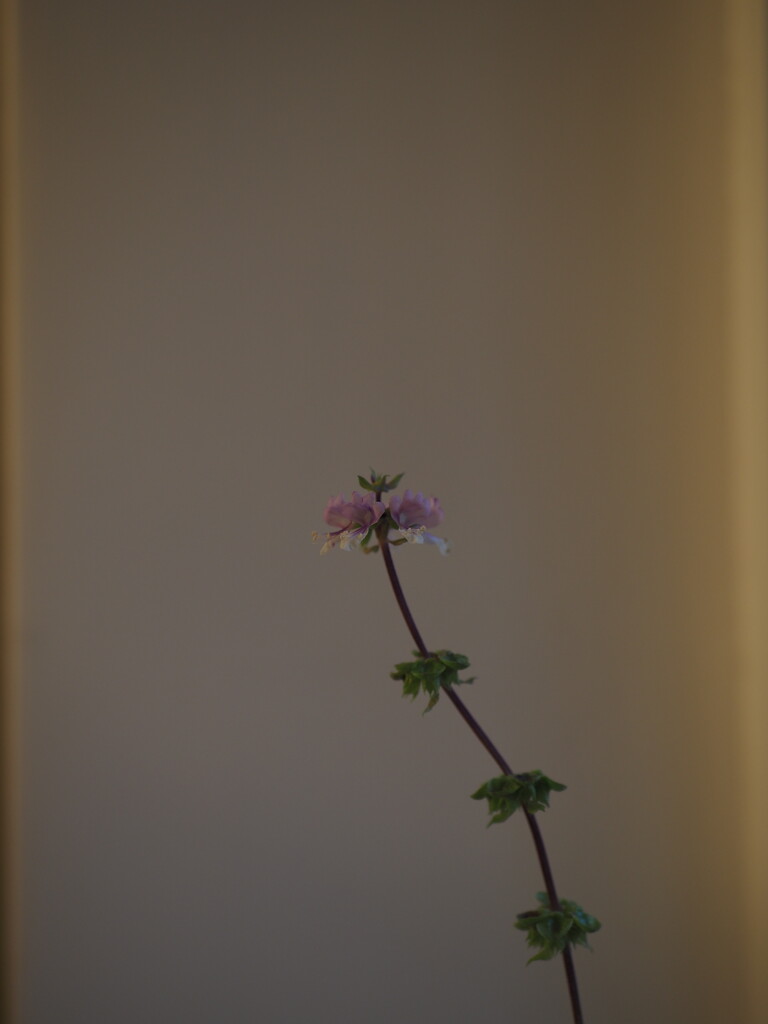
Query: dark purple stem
[[480, 733]]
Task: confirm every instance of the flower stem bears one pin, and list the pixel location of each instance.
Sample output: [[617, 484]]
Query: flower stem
[[482, 736]]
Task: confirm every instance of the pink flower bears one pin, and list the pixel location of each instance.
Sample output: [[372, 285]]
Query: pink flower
[[354, 519], [413, 513]]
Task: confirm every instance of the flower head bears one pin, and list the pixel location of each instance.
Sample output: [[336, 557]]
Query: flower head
[[354, 519], [413, 513], [409, 515]]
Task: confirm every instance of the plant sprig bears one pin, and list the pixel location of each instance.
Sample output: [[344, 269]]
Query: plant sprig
[[366, 521]]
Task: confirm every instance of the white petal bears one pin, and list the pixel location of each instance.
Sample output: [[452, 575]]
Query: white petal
[[442, 545]]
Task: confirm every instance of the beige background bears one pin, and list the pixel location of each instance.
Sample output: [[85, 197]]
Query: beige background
[[263, 246]]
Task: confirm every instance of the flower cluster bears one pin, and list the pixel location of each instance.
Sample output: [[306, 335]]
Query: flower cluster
[[410, 515]]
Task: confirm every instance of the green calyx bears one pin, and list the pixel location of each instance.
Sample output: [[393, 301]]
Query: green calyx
[[550, 931], [508, 793], [431, 674], [379, 483]]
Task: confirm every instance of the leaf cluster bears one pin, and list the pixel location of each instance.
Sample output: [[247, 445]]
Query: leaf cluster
[[550, 931], [508, 793], [382, 484], [428, 675]]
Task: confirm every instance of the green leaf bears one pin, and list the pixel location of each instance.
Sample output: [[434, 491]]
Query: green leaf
[[451, 660], [367, 485]]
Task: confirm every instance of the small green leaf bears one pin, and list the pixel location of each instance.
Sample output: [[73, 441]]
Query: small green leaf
[[451, 660], [367, 485]]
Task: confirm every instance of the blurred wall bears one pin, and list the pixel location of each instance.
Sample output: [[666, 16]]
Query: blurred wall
[[263, 247], [748, 343]]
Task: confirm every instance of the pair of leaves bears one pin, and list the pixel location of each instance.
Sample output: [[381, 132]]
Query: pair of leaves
[[430, 674], [508, 793], [550, 931], [379, 483]]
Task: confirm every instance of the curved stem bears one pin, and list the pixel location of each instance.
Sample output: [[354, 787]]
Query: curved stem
[[482, 736]]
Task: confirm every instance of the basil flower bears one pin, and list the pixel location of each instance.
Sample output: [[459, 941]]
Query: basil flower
[[413, 514], [354, 519]]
